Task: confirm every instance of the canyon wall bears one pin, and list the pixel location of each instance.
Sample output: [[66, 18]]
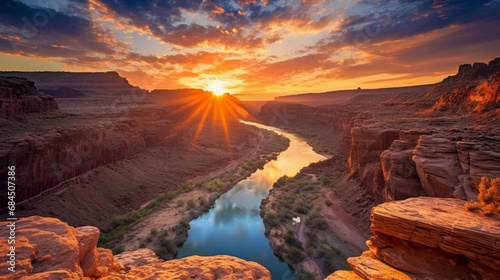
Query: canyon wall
[[428, 238], [43, 161], [437, 142], [48, 147], [19, 96], [98, 83], [47, 248]]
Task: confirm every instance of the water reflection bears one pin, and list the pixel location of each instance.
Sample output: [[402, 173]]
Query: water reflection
[[233, 226]]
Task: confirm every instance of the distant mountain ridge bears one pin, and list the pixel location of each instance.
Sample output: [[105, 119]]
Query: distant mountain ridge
[[339, 96], [88, 83]]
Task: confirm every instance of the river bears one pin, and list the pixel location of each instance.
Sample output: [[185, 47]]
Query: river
[[233, 225]]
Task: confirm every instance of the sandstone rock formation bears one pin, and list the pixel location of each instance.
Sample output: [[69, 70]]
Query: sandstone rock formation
[[99, 83], [47, 248], [19, 96], [436, 141], [429, 238], [45, 159], [197, 267]]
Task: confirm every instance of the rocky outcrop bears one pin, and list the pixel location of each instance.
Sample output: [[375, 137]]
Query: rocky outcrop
[[429, 238], [437, 164], [476, 71], [19, 96], [46, 248], [474, 98], [98, 83], [198, 267], [400, 176]]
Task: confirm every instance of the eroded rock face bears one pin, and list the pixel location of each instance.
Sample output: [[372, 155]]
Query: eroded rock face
[[400, 176], [44, 161], [437, 164], [19, 96], [101, 83], [198, 267], [430, 238], [47, 248]]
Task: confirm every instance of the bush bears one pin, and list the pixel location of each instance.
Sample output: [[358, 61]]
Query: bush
[[291, 240], [202, 200], [317, 222], [295, 254], [271, 219], [180, 203], [489, 197], [324, 251], [117, 250], [190, 203], [301, 209]]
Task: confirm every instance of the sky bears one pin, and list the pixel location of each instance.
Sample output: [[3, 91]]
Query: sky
[[253, 49]]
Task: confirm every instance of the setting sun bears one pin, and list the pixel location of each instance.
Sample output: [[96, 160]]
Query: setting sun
[[217, 87]]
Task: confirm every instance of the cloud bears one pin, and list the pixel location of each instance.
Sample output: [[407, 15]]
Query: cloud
[[261, 45], [34, 31]]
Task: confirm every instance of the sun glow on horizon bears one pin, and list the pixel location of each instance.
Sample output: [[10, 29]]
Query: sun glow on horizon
[[217, 87]]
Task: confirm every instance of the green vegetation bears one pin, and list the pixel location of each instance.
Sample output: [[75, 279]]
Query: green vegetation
[[121, 224], [160, 240], [300, 196], [190, 203]]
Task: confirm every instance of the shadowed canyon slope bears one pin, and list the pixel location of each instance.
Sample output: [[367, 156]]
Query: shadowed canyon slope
[[437, 141], [410, 151], [120, 146]]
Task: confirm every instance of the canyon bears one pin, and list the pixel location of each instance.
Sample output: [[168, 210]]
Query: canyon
[[437, 141], [402, 164], [431, 141]]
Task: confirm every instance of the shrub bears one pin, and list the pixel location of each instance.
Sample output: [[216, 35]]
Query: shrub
[[202, 200], [117, 250], [488, 198], [153, 231], [190, 203], [317, 222], [295, 254], [271, 219], [180, 203], [301, 209]]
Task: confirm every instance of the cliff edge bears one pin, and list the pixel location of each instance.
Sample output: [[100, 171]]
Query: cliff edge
[[428, 238], [46, 248]]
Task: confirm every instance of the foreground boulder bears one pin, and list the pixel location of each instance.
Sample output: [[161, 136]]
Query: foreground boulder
[[47, 248], [428, 238]]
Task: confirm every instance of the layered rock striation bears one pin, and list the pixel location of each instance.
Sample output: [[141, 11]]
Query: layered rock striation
[[437, 142], [47, 248], [19, 96], [88, 83], [428, 238]]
